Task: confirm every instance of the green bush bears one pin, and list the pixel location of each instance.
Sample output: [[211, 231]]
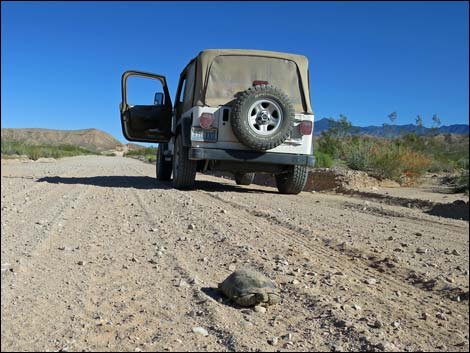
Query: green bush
[[462, 183], [403, 158], [34, 152], [148, 154], [357, 154], [322, 160]]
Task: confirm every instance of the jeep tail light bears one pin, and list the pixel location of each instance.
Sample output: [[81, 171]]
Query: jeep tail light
[[206, 120], [305, 127], [259, 82]]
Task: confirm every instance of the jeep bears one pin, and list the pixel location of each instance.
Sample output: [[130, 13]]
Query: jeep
[[237, 111]]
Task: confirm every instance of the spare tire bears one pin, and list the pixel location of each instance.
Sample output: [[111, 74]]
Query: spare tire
[[263, 117]]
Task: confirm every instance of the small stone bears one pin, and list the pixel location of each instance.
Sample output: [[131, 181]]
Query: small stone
[[376, 324], [273, 341], [223, 211], [191, 226], [441, 316], [287, 337], [201, 331], [246, 324], [396, 324], [455, 252], [182, 283], [356, 307], [232, 267], [371, 281], [195, 281], [419, 234], [260, 309], [421, 250], [342, 323], [380, 346], [424, 316], [337, 348], [81, 263], [134, 260], [295, 282]]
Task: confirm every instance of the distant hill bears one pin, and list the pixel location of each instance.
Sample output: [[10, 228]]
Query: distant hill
[[394, 130], [91, 139], [134, 147]]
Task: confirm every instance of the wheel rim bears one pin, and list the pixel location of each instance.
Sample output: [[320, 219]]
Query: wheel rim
[[265, 117]]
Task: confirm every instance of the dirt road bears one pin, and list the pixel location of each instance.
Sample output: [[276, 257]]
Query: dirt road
[[98, 255]]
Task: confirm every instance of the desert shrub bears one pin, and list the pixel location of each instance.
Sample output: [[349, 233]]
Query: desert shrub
[[462, 183], [357, 154], [384, 159], [34, 152], [404, 158], [414, 164], [148, 154], [330, 145], [322, 160]]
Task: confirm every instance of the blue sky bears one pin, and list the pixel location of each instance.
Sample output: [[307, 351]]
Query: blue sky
[[62, 62]]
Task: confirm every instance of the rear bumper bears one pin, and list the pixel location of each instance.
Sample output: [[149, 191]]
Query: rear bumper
[[251, 157]]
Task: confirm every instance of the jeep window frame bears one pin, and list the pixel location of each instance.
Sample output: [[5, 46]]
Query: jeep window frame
[[184, 99]]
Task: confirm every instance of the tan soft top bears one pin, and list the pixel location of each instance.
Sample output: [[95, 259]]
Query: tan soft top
[[206, 71]]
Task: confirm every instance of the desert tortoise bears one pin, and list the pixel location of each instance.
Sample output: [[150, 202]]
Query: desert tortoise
[[247, 287]]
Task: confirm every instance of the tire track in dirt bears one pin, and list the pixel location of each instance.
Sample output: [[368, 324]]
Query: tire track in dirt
[[40, 188], [32, 307], [182, 268], [215, 315], [359, 269], [398, 273], [327, 252]]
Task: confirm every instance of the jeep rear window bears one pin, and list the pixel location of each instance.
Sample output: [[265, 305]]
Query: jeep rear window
[[231, 74]]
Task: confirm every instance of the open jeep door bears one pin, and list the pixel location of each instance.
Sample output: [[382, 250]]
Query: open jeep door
[[146, 123]]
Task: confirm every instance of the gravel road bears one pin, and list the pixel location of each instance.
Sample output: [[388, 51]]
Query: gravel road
[[97, 255]]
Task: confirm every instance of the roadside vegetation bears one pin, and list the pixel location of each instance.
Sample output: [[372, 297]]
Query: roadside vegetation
[[404, 158], [148, 154], [14, 149]]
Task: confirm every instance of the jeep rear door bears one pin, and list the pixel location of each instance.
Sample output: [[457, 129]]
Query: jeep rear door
[[146, 123]]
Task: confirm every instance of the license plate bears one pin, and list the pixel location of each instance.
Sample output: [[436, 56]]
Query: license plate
[[198, 134]]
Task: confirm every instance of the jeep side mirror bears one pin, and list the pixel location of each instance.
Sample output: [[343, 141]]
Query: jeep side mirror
[[158, 99]]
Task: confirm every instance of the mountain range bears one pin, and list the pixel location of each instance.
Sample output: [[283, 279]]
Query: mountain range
[[393, 130]]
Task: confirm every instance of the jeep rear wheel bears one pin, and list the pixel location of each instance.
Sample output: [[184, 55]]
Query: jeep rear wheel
[[263, 117], [292, 182], [244, 178], [184, 169], [164, 168]]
